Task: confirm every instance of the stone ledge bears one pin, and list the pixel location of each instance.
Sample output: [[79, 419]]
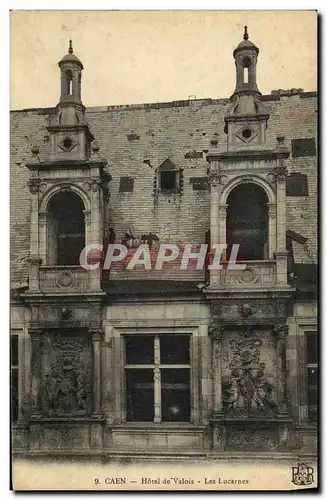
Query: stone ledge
[[205, 456]]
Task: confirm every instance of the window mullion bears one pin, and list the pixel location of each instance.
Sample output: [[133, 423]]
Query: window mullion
[[157, 381]]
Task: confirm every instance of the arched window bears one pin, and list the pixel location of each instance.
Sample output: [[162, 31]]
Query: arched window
[[66, 229], [69, 80], [246, 65], [247, 221]]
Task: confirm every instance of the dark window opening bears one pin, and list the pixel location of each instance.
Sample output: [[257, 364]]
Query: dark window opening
[[247, 221], [246, 133], [199, 183], [67, 143], [246, 62], [69, 81], [139, 350], [14, 377], [175, 395], [126, 185], [303, 147], [297, 185], [168, 180], [140, 395], [66, 229], [174, 349], [157, 378], [312, 375]]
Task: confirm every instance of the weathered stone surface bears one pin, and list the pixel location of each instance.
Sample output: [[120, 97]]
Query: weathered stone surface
[[177, 129]]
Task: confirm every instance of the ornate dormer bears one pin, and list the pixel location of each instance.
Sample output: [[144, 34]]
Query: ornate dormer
[[69, 131], [246, 119], [69, 195]]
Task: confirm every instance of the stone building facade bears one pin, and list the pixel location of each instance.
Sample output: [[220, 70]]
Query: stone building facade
[[201, 362]]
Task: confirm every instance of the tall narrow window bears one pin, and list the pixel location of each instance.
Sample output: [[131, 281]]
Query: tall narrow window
[[312, 375], [14, 377], [66, 229], [157, 370], [246, 75], [168, 177], [247, 221], [69, 77], [246, 65]]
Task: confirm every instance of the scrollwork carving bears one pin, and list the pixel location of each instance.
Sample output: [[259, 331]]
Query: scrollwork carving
[[34, 185], [280, 173], [215, 178]]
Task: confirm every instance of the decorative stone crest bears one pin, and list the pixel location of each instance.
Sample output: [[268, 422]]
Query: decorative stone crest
[[248, 310], [65, 279], [248, 275]]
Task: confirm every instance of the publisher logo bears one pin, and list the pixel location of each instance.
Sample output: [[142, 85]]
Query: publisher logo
[[302, 475]]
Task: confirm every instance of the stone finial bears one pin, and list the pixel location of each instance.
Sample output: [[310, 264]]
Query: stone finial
[[70, 49], [95, 148], [245, 36], [214, 142], [280, 141], [35, 150]]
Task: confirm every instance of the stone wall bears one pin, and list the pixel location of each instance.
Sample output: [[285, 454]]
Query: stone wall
[[137, 139]]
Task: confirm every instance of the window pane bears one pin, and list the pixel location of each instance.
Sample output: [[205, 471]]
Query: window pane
[[168, 179], [14, 350], [140, 395], [312, 345], [312, 377], [14, 394], [175, 395], [175, 349], [139, 350]]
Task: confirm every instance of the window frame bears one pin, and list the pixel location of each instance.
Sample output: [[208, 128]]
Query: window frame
[[304, 326], [15, 367], [307, 366], [194, 383]]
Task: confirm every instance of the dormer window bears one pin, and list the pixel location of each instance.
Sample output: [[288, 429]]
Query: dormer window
[[168, 177], [168, 180]]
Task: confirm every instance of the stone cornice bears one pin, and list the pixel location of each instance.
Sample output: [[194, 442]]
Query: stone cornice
[[87, 163], [229, 156]]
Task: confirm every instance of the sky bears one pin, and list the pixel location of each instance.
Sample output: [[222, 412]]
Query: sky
[[133, 57]]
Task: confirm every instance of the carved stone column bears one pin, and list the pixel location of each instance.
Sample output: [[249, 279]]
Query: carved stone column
[[216, 332], [95, 229], [281, 332], [272, 229], [35, 372], [96, 371], [280, 175], [213, 178], [34, 186]]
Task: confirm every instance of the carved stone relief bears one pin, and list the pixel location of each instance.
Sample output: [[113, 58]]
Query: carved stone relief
[[247, 387], [66, 383]]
